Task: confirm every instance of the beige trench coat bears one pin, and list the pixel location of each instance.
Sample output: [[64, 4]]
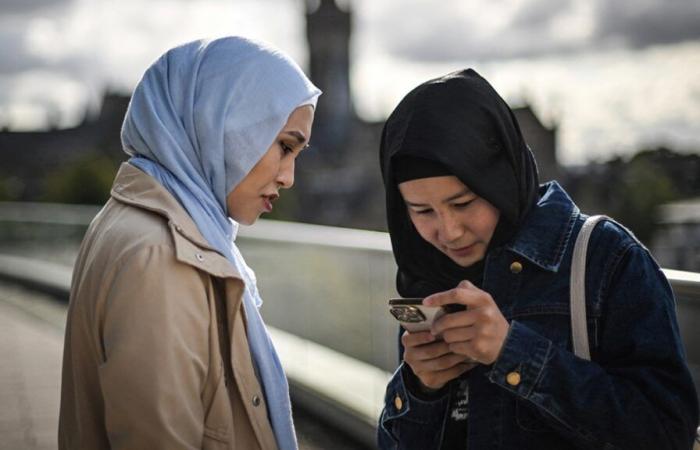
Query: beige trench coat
[[156, 354]]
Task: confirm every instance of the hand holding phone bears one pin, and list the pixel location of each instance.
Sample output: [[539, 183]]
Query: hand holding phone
[[414, 316], [428, 356]]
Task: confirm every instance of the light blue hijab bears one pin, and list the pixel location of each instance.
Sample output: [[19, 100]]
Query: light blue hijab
[[199, 120]]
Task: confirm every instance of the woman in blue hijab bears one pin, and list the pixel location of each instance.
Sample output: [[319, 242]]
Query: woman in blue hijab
[[165, 347]]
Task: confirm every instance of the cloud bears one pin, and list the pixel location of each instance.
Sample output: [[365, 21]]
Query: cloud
[[479, 30], [50, 47], [642, 23], [12, 7], [505, 29], [46, 74], [14, 51], [43, 99], [537, 13]]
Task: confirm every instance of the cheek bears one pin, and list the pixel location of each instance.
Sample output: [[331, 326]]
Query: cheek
[[425, 228], [264, 172], [487, 220], [242, 197], [235, 202], [267, 175], [269, 172]]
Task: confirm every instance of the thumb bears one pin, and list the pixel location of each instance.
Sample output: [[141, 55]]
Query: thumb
[[465, 284]]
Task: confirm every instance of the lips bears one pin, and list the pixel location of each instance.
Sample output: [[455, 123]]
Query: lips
[[463, 251], [267, 204], [267, 201]]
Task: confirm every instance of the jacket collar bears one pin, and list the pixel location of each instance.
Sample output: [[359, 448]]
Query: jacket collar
[[136, 188], [544, 237]]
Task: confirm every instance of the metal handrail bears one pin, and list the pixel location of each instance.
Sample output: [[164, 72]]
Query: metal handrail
[[47, 213], [683, 283]]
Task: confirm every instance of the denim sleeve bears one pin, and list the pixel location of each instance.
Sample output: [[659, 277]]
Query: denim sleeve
[[408, 422], [637, 393]]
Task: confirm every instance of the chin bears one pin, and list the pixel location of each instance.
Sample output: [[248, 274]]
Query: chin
[[248, 221], [245, 219], [466, 262]]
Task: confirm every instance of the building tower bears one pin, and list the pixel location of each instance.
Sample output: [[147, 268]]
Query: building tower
[[328, 31]]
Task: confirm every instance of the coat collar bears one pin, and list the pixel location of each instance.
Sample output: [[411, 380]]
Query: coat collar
[[544, 237], [136, 188]]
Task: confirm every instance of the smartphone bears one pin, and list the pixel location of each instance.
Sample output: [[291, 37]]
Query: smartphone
[[414, 316]]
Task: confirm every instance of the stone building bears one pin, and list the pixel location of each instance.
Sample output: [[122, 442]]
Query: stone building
[[27, 157], [543, 142], [328, 31]]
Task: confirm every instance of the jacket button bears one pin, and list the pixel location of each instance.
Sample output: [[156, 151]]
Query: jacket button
[[513, 378], [199, 257], [398, 403], [256, 400], [516, 267]]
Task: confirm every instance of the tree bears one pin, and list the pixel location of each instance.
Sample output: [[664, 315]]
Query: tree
[[87, 181], [642, 188]]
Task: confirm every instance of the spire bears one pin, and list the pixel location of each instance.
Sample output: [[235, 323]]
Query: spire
[[328, 31]]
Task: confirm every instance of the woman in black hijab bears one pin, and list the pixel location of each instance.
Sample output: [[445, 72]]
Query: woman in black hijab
[[470, 225]]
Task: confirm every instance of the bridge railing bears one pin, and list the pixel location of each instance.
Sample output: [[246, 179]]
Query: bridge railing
[[325, 291]]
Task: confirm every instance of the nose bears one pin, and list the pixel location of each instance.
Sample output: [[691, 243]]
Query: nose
[[285, 176], [450, 228]]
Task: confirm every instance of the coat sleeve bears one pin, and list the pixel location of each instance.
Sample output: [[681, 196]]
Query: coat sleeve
[[637, 393], [155, 346], [408, 419]]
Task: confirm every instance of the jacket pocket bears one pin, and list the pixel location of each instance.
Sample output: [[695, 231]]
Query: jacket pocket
[[553, 321], [215, 439], [218, 421], [529, 419]]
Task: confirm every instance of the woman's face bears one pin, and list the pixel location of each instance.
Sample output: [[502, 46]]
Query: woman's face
[[451, 217], [275, 170]]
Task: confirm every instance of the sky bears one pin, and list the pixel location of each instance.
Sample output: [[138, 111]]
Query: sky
[[613, 76]]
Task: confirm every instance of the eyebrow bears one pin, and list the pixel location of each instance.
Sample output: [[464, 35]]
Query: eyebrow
[[462, 193], [301, 139]]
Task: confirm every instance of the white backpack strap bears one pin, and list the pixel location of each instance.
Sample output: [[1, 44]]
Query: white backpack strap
[[577, 294]]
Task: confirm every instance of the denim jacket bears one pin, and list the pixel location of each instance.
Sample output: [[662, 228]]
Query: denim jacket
[[635, 393]]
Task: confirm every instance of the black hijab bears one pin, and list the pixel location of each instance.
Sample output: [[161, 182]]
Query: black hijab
[[460, 122]]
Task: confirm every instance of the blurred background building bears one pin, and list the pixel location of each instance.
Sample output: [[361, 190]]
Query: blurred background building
[[338, 180], [677, 239], [341, 174]]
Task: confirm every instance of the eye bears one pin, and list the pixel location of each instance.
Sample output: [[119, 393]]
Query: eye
[[422, 211], [461, 205], [286, 149]]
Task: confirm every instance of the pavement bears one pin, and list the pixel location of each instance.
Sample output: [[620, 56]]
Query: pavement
[[30, 369]]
